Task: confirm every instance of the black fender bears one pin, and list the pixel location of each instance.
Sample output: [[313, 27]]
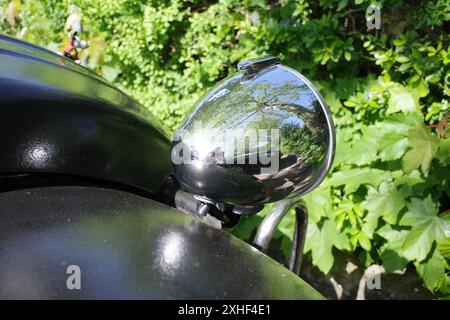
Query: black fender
[[126, 247], [59, 118]]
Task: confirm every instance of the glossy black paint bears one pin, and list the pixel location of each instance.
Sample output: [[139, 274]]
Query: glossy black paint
[[127, 247], [57, 117]]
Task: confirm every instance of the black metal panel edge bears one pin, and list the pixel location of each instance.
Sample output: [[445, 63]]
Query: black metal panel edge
[[58, 118]]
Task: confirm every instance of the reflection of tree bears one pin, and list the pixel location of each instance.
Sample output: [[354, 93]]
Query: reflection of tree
[[291, 107], [302, 142], [242, 105]]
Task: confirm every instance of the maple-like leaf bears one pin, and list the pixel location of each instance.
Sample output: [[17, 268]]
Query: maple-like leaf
[[385, 202], [406, 99], [353, 178], [401, 99], [427, 227], [424, 147], [432, 271], [318, 204], [320, 241], [392, 146]]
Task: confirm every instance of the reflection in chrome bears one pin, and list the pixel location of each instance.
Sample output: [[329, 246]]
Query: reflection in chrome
[[260, 98]]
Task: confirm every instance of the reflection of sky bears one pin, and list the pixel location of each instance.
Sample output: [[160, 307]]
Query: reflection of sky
[[294, 120], [303, 96]]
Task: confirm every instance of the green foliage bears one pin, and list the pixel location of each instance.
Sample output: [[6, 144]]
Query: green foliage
[[388, 193], [424, 146]]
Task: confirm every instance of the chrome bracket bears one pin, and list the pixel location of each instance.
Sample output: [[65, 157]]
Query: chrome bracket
[[267, 228]]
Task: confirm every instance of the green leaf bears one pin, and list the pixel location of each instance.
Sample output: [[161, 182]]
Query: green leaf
[[432, 271], [390, 256], [370, 148], [342, 4], [343, 152], [388, 138], [331, 233], [402, 59], [424, 147], [408, 180], [420, 91], [392, 146], [394, 237], [364, 241], [420, 240], [349, 103], [321, 241], [444, 151], [406, 99], [259, 3], [401, 99], [322, 255], [353, 178], [427, 228], [444, 246], [401, 122], [348, 55], [247, 227], [392, 261], [369, 142], [419, 211], [318, 204], [385, 202]]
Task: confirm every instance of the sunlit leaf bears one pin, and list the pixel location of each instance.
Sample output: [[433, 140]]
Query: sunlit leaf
[[351, 179], [401, 99], [424, 147], [392, 146], [427, 228], [318, 204], [385, 202], [432, 271]]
